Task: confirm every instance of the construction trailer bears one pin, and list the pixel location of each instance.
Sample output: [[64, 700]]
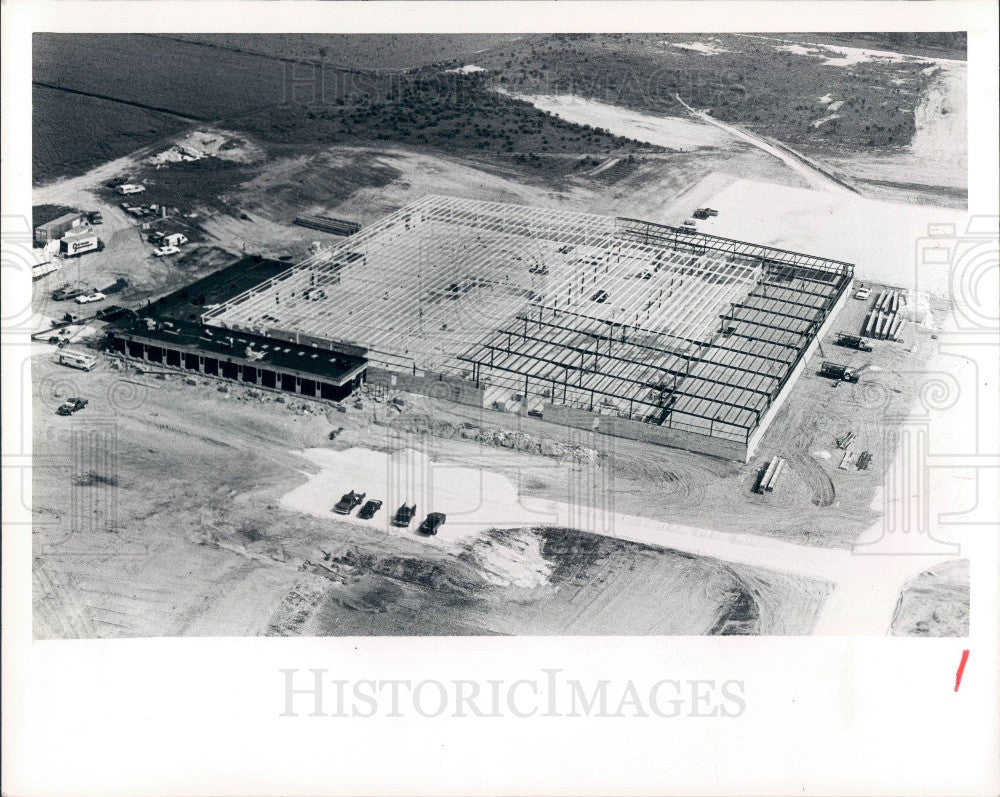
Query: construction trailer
[[76, 359], [57, 228], [632, 328]]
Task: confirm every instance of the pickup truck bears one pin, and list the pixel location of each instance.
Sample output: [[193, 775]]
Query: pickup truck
[[72, 405], [348, 502], [93, 296]]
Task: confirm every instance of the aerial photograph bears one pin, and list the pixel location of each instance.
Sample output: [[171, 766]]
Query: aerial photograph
[[491, 334]]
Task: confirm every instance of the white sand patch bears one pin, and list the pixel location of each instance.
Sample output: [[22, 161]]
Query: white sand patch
[[479, 500], [826, 119], [878, 237], [835, 106], [797, 49], [826, 99], [511, 558], [468, 69], [200, 144], [665, 131], [704, 48]]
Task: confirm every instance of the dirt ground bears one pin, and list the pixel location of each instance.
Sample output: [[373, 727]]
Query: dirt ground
[[158, 513], [935, 603], [159, 509]]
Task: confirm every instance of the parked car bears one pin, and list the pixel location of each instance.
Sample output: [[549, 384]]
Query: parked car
[[163, 251], [367, 512], [87, 298], [404, 515], [95, 217], [72, 405], [155, 237], [432, 523], [862, 293], [66, 292], [347, 503]]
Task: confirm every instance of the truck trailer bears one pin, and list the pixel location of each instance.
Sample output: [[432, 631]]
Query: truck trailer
[[76, 246]]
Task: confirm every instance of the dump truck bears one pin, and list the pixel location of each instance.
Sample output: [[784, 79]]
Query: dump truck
[[852, 342], [837, 371]]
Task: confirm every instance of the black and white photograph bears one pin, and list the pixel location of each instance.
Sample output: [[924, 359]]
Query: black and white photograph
[[349, 339], [486, 334]]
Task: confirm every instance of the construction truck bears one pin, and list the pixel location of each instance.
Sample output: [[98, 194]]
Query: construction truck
[[839, 372], [852, 342]]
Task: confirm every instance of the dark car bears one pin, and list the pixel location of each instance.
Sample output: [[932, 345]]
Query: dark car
[[65, 293], [404, 515], [72, 405], [367, 512], [432, 523], [346, 504], [95, 217]]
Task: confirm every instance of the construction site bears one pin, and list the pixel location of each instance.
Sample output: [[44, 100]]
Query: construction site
[[626, 327]]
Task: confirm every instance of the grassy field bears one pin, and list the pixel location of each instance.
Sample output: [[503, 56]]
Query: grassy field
[[294, 93], [285, 108], [744, 80], [72, 133], [376, 52]]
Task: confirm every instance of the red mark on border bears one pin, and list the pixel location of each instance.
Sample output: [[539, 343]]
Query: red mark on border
[[961, 669]]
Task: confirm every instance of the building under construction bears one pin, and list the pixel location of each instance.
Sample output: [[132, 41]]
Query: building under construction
[[631, 328]]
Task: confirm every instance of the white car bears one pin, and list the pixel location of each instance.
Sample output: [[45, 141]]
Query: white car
[[163, 251], [87, 298], [862, 293]]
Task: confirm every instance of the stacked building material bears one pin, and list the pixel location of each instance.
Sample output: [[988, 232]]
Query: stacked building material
[[771, 474], [884, 320], [328, 224], [864, 460]]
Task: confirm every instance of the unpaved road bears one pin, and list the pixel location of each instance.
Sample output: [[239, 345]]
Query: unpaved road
[[816, 178], [866, 588]]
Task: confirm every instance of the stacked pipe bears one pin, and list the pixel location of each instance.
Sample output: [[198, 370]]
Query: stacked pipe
[[884, 320], [771, 474]]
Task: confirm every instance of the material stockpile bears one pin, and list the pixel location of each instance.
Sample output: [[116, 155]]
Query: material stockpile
[[884, 320]]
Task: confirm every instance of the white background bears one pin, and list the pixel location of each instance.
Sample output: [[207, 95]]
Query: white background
[[200, 716]]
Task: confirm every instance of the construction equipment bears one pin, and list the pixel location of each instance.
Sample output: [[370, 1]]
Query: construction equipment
[[864, 460], [852, 342], [845, 441], [839, 372]]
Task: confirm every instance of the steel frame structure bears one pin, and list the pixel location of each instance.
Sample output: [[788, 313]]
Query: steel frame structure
[[612, 315]]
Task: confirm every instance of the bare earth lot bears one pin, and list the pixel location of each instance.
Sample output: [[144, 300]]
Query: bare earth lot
[[159, 513], [167, 508]]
